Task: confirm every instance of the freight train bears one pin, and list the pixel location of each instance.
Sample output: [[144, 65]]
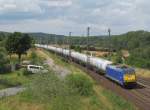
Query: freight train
[[123, 75]]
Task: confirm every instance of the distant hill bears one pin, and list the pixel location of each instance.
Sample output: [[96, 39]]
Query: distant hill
[[46, 38], [39, 36]]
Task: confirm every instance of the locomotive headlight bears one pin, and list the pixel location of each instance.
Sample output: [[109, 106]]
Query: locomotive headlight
[[129, 77]]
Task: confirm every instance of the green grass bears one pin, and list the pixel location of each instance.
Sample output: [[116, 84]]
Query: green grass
[[117, 102], [13, 79], [48, 92]]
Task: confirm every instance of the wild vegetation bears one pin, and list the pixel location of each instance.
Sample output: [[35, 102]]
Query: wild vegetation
[[10, 44], [49, 92], [80, 83]]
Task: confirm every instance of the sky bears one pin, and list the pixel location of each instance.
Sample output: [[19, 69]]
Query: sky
[[64, 16]]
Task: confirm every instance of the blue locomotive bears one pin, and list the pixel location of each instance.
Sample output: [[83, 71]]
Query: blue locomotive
[[123, 75]]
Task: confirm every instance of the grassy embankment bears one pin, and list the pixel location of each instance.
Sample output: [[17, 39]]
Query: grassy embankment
[[59, 97]]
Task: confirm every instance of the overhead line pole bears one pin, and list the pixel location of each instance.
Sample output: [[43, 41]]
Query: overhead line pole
[[69, 44], [63, 44], [88, 35], [55, 40], [109, 35]]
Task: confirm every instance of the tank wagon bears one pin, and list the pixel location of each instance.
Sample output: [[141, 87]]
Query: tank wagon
[[122, 75]]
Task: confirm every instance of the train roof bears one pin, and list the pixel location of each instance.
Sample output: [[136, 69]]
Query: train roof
[[122, 68]]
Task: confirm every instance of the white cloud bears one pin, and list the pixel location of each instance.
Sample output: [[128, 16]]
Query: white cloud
[[9, 6], [61, 16], [31, 5], [57, 3], [19, 6]]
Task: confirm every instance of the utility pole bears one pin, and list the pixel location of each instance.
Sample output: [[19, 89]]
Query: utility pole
[[88, 35]]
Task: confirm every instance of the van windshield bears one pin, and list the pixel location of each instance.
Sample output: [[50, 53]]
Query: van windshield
[[34, 67]]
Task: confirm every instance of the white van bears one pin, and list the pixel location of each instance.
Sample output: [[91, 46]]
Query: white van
[[36, 69]]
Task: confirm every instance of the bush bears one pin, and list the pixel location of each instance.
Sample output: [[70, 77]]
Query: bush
[[25, 72], [81, 83], [5, 69], [35, 60], [138, 62]]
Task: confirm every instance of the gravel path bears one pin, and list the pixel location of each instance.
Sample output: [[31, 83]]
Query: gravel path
[[61, 71], [11, 91]]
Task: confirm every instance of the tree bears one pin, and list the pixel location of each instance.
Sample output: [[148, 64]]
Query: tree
[[3, 60], [18, 43], [23, 45], [3, 57], [12, 42]]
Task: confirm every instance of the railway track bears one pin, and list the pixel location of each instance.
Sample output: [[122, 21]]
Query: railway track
[[144, 82], [140, 95]]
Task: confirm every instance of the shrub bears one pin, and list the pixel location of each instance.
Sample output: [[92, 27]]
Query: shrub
[[5, 69], [81, 83], [35, 59], [25, 72], [118, 58]]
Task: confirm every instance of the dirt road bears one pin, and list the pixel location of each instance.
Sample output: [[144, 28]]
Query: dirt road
[[11, 91]]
